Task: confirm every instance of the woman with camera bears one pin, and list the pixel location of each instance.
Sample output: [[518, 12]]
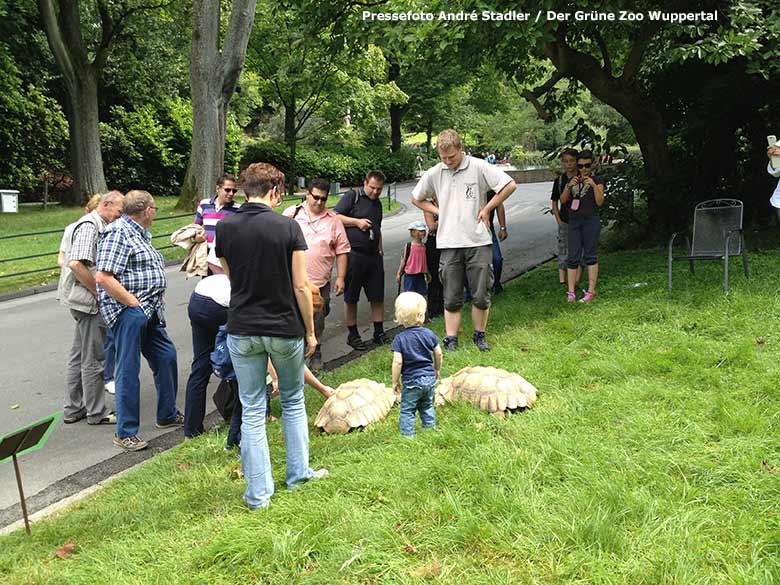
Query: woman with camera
[[583, 197]]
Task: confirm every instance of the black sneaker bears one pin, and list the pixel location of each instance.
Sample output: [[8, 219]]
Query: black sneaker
[[381, 338], [450, 343], [356, 343], [481, 342], [178, 421]]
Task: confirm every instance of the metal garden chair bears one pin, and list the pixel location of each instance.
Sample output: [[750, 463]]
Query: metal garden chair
[[717, 234]]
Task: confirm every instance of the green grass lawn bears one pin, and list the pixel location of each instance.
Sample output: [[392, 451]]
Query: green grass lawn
[[32, 218], [641, 463]]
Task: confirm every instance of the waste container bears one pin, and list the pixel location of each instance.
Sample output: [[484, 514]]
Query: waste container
[[9, 201], [335, 188], [301, 182]]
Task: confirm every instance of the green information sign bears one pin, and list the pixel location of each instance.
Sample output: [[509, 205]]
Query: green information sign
[[26, 440]]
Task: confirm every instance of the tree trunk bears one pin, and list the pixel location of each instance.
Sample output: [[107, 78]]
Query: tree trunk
[[86, 158], [429, 135], [291, 140], [213, 78], [396, 112], [624, 94]]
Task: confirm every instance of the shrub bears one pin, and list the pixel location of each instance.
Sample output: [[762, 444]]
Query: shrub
[[33, 133], [344, 165], [149, 147]]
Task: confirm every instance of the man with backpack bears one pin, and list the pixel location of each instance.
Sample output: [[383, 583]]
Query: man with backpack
[[327, 245], [360, 211]]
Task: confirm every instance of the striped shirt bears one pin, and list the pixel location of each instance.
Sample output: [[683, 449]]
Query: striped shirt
[[208, 215], [125, 250]]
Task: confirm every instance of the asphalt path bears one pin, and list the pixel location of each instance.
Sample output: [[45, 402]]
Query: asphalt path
[[37, 335]]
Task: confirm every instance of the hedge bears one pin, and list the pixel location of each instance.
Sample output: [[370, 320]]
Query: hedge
[[343, 165]]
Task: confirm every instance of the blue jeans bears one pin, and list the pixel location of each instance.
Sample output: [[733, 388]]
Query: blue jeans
[[417, 395], [498, 265], [109, 356], [134, 335], [250, 359], [415, 283], [206, 316], [234, 433]]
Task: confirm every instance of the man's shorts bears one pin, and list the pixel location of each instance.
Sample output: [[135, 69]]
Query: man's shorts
[[366, 272], [477, 264]]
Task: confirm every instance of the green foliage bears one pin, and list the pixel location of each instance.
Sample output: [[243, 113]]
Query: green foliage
[[344, 165], [33, 132], [149, 147]]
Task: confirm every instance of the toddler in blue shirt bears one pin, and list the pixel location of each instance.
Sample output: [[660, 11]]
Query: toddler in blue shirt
[[417, 359]]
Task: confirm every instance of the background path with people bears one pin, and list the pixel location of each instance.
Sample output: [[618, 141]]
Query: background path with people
[[38, 334]]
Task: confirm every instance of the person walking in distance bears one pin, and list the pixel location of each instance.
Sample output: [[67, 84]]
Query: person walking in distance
[[327, 245], [460, 183], [360, 211]]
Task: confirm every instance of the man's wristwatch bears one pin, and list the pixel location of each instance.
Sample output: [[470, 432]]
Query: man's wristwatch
[[502, 229]]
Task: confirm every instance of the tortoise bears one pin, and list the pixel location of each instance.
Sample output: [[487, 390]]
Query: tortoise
[[355, 405], [492, 389]]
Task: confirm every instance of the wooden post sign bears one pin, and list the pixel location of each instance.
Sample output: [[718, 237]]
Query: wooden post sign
[[26, 440]]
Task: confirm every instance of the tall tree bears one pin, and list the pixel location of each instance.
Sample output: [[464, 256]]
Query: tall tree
[[214, 73], [81, 42]]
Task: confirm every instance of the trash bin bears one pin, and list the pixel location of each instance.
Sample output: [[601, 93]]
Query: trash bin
[[335, 188], [301, 182], [9, 201]]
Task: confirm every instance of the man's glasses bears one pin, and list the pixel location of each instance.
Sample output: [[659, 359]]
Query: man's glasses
[[152, 207], [229, 190], [584, 166], [317, 198]]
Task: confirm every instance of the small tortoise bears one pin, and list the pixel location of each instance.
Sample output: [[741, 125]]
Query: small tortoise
[[492, 389], [355, 405]]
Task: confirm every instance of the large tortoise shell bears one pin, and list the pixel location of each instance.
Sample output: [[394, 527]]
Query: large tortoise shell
[[492, 389], [355, 405]]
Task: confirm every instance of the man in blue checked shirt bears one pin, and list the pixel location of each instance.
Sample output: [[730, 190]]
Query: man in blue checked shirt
[[131, 283]]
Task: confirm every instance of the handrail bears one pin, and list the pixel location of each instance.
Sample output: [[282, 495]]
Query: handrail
[[392, 195]]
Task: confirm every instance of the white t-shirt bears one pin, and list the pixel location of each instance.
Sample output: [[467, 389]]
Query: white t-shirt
[[216, 287], [775, 198], [461, 194]]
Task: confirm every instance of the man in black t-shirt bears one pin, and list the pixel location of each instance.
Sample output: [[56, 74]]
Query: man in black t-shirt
[[263, 254], [361, 213]]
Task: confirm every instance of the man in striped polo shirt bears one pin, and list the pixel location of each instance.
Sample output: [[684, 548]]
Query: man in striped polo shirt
[[211, 210]]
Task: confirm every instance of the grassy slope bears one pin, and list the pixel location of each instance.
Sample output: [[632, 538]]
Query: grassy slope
[[33, 219], [641, 463]]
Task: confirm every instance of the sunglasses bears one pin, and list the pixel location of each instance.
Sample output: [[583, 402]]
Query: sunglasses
[[229, 190], [317, 198], [584, 166]]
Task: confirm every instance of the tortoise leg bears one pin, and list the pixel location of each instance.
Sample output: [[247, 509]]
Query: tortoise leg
[[499, 414]]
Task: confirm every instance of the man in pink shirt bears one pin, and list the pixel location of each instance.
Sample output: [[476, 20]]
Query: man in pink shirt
[[328, 244]]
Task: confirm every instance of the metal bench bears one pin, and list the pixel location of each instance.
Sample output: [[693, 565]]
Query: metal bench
[[717, 234]]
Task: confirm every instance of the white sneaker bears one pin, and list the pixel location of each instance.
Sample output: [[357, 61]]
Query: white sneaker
[[319, 474], [110, 387]]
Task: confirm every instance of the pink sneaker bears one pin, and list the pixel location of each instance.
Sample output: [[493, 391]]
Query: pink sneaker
[[588, 297], [571, 297]]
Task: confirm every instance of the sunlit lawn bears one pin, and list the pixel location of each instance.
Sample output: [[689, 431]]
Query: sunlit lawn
[[640, 464]]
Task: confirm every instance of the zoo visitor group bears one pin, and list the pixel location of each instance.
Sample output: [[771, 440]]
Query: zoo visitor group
[[266, 287]]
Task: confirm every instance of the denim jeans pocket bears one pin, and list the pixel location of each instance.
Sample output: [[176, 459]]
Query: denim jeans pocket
[[239, 344]]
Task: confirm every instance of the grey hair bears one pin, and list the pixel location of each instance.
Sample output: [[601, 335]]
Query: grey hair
[[136, 201], [110, 197]]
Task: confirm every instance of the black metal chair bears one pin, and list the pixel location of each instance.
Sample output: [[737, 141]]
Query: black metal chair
[[717, 234]]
